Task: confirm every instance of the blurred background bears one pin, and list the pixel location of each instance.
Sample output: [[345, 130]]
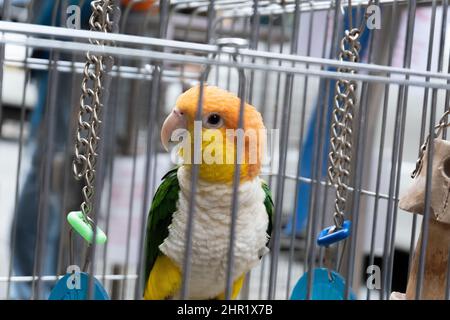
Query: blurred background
[[40, 92]]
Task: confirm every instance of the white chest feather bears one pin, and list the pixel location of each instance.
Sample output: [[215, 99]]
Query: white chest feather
[[211, 233]]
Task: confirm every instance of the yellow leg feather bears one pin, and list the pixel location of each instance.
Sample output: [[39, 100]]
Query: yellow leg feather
[[164, 280], [237, 286]]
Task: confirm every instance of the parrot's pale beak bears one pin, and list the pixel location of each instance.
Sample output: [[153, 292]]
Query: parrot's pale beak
[[175, 120]]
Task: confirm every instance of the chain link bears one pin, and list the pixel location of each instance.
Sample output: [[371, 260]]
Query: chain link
[[363, 23], [342, 117], [87, 136], [341, 125], [443, 123]]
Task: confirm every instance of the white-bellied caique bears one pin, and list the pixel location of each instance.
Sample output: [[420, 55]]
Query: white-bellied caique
[[168, 218]]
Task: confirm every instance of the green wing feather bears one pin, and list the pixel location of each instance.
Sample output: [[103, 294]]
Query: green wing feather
[[160, 217], [268, 203]]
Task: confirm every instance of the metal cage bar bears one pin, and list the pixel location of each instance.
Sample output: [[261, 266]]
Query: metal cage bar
[[290, 67]]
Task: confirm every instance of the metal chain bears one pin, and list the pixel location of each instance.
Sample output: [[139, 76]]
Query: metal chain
[[341, 125], [362, 25], [443, 123], [342, 119], [89, 122]]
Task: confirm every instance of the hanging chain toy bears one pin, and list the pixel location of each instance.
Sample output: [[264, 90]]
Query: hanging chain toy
[[323, 283], [341, 126], [75, 285], [443, 123], [89, 122], [345, 100], [341, 121]]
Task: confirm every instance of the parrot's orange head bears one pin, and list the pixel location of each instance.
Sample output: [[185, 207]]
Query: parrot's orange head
[[215, 142]]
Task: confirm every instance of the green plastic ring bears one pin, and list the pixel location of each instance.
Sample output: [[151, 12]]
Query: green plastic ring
[[84, 229]]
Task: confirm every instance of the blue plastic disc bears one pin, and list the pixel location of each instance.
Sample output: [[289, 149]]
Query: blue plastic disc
[[322, 288], [69, 289]]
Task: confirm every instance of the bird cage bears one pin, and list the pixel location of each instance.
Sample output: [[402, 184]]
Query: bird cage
[[351, 94]]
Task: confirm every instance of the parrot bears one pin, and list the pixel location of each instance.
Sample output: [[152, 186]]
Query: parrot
[[165, 233]]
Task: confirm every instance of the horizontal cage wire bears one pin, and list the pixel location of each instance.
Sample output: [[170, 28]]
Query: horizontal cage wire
[[287, 59]]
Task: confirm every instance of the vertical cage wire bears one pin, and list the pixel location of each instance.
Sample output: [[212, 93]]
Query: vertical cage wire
[[290, 73]]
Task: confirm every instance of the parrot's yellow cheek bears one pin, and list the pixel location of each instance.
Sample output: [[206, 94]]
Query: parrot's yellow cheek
[[220, 173], [216, 157]]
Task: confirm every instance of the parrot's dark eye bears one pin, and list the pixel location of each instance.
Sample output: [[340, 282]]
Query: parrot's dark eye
[[213, 121]]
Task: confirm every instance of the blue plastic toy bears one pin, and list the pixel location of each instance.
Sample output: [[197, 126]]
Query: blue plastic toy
[[326, 238], [322, 288], [67, 288]]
